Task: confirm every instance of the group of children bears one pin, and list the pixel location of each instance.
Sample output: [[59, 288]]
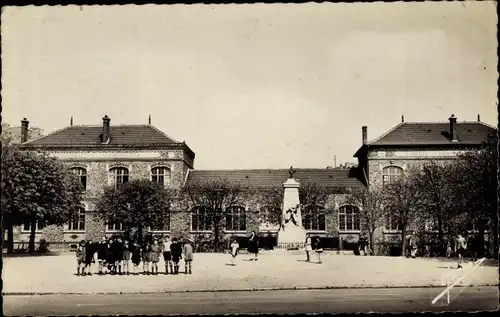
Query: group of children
[[114, 256]]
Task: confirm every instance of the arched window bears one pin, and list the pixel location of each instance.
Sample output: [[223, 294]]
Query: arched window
[[200, 219], [390, 174], [349, 218], [119, 175], [161, 175], [81, 175], [236, 219], [313, 218], [78, 223]]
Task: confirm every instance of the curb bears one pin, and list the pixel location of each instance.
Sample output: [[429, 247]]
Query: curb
[[245, 290]]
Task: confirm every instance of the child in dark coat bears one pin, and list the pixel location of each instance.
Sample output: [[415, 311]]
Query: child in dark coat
[[176, 251], [101, 255], [136, 257]]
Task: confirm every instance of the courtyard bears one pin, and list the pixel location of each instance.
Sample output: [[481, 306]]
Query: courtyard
[[213, 272]]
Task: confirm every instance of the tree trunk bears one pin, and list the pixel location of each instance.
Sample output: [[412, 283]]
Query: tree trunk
[[10, 238], [404, 242], [31, 245], [442, 247]]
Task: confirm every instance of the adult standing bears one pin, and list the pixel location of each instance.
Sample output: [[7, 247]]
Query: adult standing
[[308, 248], [362, 242], [253, 246]]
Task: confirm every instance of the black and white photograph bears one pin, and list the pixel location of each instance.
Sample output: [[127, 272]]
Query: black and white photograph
[[259, 158]]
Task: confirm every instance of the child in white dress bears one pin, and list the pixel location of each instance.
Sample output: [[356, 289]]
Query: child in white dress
[[234, 251]]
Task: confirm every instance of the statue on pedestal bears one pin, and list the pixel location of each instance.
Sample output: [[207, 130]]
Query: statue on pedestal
[[291, 172]]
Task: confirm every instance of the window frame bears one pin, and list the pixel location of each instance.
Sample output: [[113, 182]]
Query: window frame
[[167, 175], [114, 175], [352, 217], [28, 225], [388, 177], [196, 212], [237, 211], [311, 216], [80, 219], [80, 176]]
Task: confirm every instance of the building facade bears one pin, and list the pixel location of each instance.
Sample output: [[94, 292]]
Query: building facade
[[106, 155]]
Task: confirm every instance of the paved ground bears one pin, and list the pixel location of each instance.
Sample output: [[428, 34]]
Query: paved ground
[[211, 272], [310, 301]]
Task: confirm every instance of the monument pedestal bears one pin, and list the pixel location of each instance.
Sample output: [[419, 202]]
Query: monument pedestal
[[292, 234]]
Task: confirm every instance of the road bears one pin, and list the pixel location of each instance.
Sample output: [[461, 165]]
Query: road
[[300, 301]]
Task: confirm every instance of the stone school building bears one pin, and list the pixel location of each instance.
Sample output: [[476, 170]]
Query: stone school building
[[104, 155]]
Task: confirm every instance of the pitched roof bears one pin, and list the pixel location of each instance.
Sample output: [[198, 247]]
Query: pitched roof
[[91, 135], [434, 133], [265, 178]]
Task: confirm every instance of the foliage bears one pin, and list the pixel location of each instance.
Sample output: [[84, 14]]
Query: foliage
[[137, 205], [271, 199], [44, 246], [400, 202], [37, 188], [215, 198], [371, 211]]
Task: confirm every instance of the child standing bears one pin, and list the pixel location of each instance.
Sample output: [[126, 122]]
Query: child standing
[[80, 258], [176, 250], [167, 255], [318, 248], [188, 256], [155, 257], [308, 247], [234, 251], [101, 255], [127, 254], [136, 257], [146, 257]]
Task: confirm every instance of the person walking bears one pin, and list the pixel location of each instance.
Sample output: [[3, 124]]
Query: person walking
[[101, 256], [155, 257], [253, 246], [80, 258], [308, 247], [136, 257], [318, 248], [234, 251], [90, 249], [188, 256], [460, 248], [176, 251], [167, 255]]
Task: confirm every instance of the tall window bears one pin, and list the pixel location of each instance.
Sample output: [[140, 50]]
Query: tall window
[[313, 218], [78, 224], [390, 174], [236, 219], [392, 223], [200, 220], [349, 218], [39, 226], [161, 175], [81, 175], [114, 226], [162, 225], [119, 175], [270, 215]]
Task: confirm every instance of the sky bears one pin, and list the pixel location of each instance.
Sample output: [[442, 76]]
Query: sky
[[256, 85]]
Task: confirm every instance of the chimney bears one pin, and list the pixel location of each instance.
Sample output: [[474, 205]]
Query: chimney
[[453, 128], [71, 121], [478, 118], [402, 119], [149, 122], [365, 134], [105, 129], [24, 130]]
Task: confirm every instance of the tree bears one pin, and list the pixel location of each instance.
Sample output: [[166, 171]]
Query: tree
[[477, 188], [216, 200], [435, 185], [270, 198], [371, 211], [37, 188], [400, 202], [138, 204]]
